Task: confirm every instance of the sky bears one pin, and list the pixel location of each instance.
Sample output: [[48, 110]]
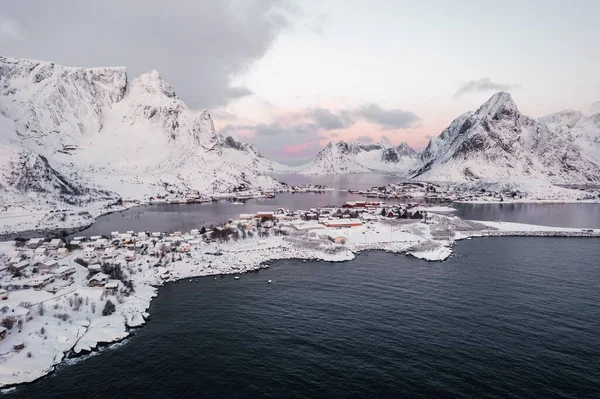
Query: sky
[[289, 75]]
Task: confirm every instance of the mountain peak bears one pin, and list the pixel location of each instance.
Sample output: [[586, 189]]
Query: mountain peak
[[500, 104], [151, 84]]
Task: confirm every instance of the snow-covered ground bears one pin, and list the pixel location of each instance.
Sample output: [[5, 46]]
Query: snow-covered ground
[[70, 319]]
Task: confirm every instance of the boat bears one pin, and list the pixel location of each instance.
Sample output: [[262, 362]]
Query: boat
[[237, 203], [270, 281], [236, 278]]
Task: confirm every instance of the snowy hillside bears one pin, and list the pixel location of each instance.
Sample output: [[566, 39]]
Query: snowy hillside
[[498, 142], [353, 157], [88, 131]]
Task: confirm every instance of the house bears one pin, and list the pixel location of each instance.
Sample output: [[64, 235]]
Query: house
[[342, 223], [41, 251], [177, 234], [114, 234], [79, 239], [21, 313], [75, 243], [94, 268], [2, 333], [98, 280], [34, 243], [247, 216], [101, 243], [156, 234], [62, 253], [38, 260], [130, 256], [93, 238], [339, 240], [265, 215], [13, 261], [195, 232], [42, 281], [111, 287], [48, 265], [64, 271], [108, 253], [19, 266], [55, 244], [194, 243], [185, 247], [89, 253], [142, 234]]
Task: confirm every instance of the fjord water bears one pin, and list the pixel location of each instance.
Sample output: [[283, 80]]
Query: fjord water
[[505, 317], [172, 217]]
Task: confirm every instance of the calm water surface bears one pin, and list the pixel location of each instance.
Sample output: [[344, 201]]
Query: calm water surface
[[506, 317]]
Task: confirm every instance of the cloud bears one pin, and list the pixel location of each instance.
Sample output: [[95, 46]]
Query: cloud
[[385, 139], [387, 119], [199, 47], [9, 29], [327, 120], [482, 85], [595, 107], [280, 142], [365, 139]]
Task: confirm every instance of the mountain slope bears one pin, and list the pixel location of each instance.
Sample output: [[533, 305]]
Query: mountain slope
[[498, 142], [353, 157], [89, 132]]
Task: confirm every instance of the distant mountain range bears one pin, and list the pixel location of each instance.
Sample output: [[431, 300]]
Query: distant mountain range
[[76, 136], [354, 157], [494, 142], [498, 142]]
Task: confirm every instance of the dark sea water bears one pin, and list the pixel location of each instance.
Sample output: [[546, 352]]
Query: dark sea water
[[506, 317]]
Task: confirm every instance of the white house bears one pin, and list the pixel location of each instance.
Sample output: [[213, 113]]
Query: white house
[[64, 271], [130, 256], [185, 247], [94, 268], [48, 264], [89, 253], [62, 252], [101, 243], [114, 233], [108, 253], [98, 280], [41, 281], [34, 243], [75, 243], [40, 251], [195, 232], [55, 244]]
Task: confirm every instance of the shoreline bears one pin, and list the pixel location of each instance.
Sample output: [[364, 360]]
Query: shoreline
[[73, 355], [67, 231], [244, 256]]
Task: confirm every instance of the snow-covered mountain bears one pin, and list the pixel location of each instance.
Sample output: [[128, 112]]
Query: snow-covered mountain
[[498, 142], [353, 157], [91, 129]]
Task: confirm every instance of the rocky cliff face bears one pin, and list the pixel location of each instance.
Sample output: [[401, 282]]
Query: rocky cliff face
[[89, 130], [497, 141]]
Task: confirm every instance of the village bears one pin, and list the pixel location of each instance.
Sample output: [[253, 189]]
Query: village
[[65, 297], [480, 192]]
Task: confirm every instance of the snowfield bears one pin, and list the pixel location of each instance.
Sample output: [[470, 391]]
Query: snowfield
[[69, 321], [78, 138]]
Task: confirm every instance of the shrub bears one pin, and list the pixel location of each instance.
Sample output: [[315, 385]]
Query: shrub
[[25, 304], [62, 316], [109, 308], [41, 309], [81, 262], [4, 309], [8, 322]]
